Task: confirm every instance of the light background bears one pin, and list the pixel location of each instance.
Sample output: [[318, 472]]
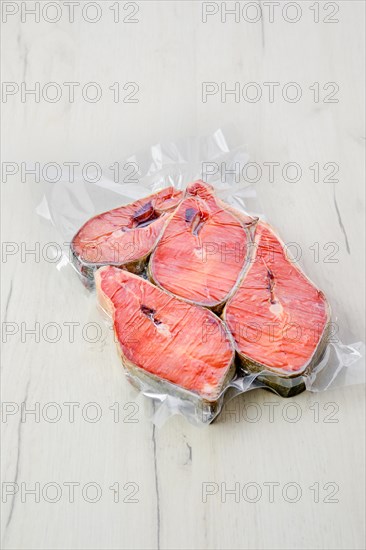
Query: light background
[[169, 53]]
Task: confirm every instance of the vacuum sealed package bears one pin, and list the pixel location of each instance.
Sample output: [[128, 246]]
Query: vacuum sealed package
[[206, 302]]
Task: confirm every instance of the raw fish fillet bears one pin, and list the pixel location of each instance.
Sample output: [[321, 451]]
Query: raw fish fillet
[[163, 339], [124, 236], [278, 318], [202, 252]]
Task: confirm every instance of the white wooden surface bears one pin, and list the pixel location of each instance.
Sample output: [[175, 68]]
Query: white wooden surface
[[169, 53]]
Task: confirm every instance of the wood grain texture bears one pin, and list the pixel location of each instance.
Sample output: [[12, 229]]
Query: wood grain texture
[[169, 53]]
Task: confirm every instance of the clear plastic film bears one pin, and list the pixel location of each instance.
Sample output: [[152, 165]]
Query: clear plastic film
[[162, 174]]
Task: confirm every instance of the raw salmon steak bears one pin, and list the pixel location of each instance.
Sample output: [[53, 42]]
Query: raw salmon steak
[[278, 318], [163, 339], [202, 252], [124, 236]]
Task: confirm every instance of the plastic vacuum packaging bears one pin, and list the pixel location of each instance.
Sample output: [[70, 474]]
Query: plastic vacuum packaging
[[205, 302]]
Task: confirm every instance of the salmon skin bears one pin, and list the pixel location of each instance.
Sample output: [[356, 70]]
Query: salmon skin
[[278, 318], [124, 236], [202, 252], [165, 342]]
